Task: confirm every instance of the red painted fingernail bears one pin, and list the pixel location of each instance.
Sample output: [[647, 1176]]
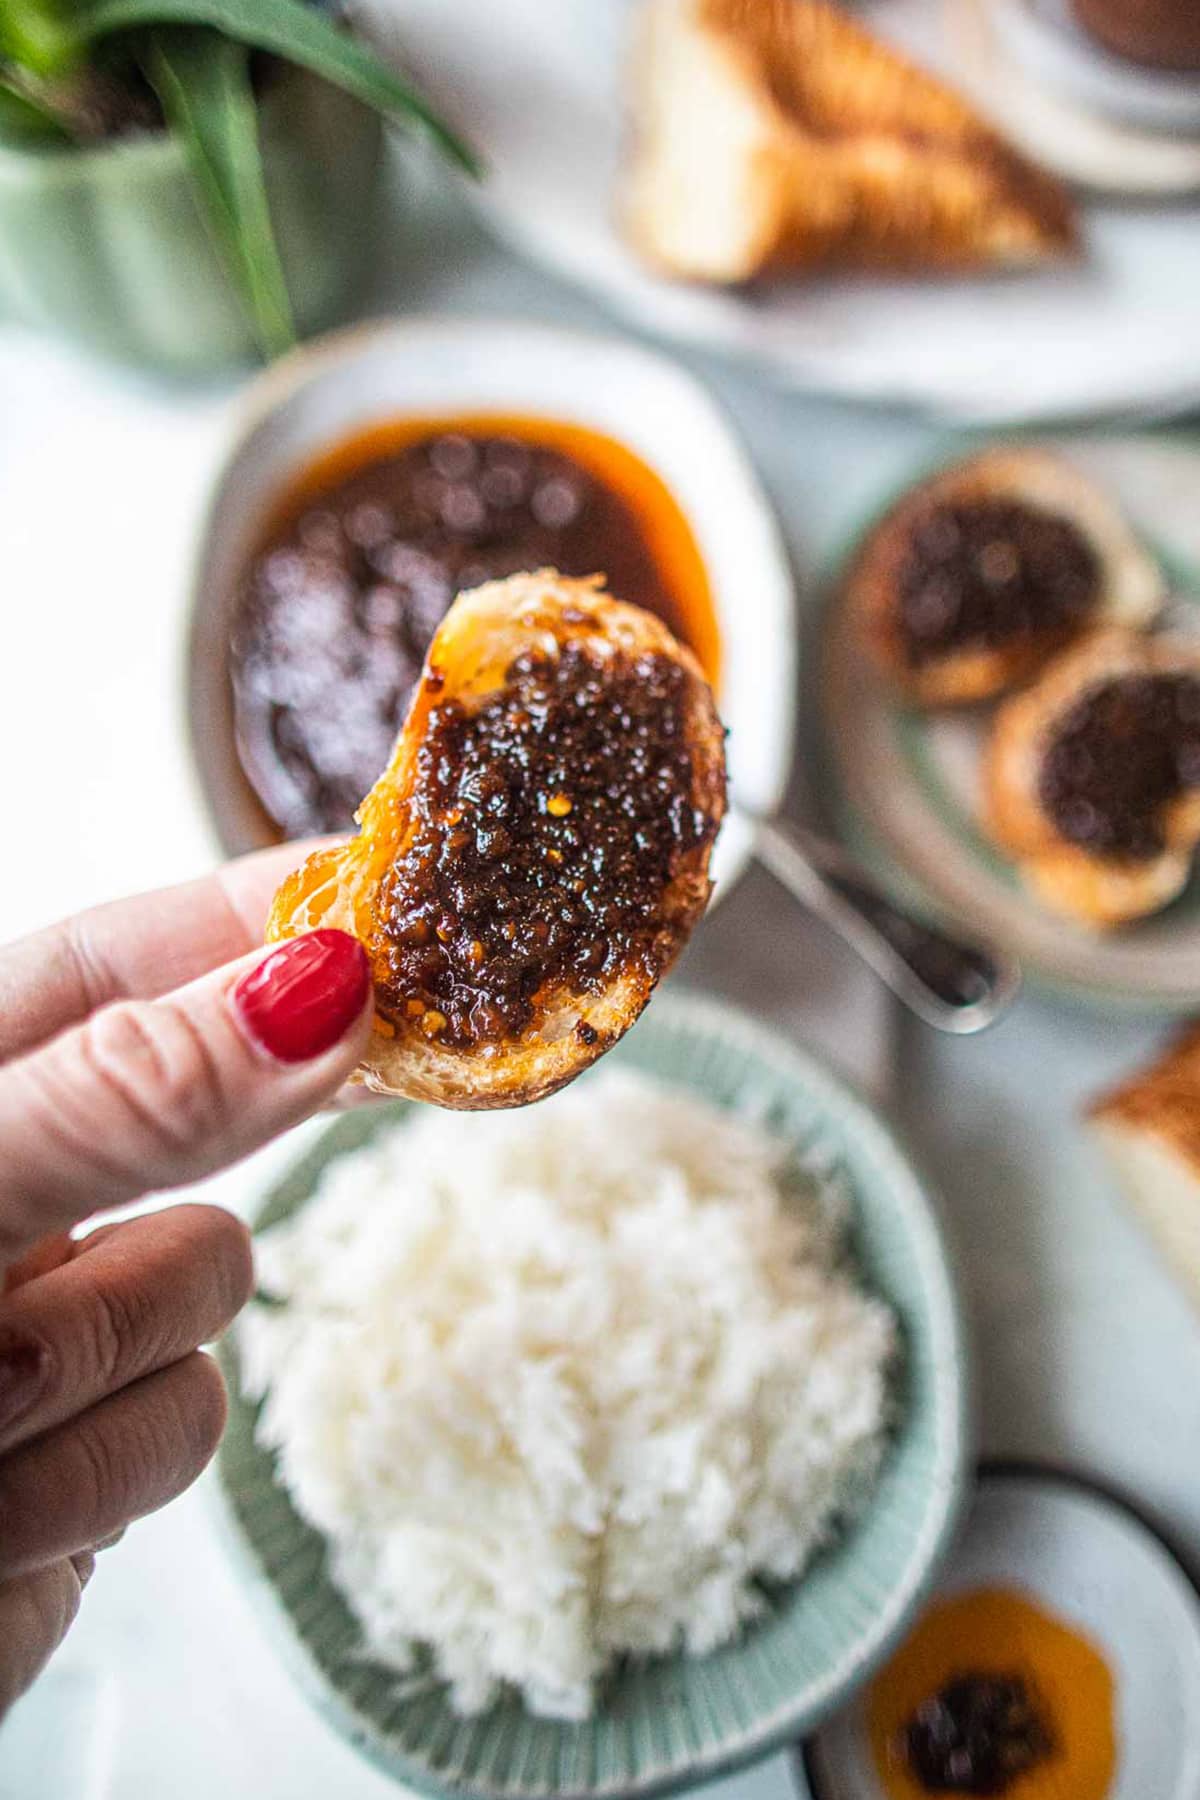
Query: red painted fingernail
[[24, 1365], [304, 997]]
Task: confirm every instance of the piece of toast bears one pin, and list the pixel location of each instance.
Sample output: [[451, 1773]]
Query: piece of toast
[[481, 636], [1131, 588], [1149, 1127], [1098, 891], [774, 135]]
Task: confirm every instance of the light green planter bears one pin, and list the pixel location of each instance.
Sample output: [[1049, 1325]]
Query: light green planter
[[109, 246]]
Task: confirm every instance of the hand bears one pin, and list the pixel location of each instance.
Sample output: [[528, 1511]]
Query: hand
[[142, 1045]]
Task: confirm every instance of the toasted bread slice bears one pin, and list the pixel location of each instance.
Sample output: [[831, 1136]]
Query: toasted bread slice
[[778, 134], [1150, 1129], [1130, 590], [572, 1021], [1100, 891]]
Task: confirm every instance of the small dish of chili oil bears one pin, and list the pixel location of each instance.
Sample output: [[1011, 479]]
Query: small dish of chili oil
[[994, 1695], [1058, 1660], [365, 549]]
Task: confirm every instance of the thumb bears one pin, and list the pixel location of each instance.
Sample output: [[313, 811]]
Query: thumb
[[150, 1094], [35, 1613]]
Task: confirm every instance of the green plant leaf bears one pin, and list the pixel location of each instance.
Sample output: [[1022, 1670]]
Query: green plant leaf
[[298, 34], [24, 120], [42, 36], [203, 82]]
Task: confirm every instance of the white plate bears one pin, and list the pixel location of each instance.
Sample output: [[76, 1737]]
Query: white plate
[[908, 781], [1094, 1564], [323, 393], [537, 84]]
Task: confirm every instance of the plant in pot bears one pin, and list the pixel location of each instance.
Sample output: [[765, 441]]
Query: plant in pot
[[188, 182]]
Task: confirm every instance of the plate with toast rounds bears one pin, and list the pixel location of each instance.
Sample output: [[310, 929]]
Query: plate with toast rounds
[[810, 187], [1016, 805]]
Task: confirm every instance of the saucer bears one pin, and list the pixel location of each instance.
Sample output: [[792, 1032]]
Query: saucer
[[1086, 1558], [1043, 37], [1087, 116]]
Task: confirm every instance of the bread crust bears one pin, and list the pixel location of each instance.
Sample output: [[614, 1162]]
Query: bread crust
[[468, 659], [1150, 1128], [1163, 1099], [775, 135], [1131, 591], [1101, 892]]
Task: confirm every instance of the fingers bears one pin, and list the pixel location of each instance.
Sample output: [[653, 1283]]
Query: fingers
[[136, 949], [48, 1254], [76, 1485], [138, 1300], [35, 1615], [150, 1094]]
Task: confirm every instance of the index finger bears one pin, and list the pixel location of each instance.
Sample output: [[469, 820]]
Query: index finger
[[136, 949]]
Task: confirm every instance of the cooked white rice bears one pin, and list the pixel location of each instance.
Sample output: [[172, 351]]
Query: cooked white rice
[[560, 1383]]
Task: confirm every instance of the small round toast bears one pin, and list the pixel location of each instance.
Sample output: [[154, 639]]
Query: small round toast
[[1128, 587], [1099, 891], [536, 853]]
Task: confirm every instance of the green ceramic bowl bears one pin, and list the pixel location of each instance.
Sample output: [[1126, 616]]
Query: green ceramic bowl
[[109, 247], [666, 1723]]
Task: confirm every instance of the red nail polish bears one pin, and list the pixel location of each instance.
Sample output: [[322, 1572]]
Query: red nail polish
[[24, 1366], [304, 997]]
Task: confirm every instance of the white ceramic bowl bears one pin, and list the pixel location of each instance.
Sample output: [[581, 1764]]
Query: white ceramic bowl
[[343, 383]]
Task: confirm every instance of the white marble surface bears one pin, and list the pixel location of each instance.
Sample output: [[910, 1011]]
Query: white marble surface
[[1086, 1353]]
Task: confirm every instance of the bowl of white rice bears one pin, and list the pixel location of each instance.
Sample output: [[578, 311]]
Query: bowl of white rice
[[601, 1447]]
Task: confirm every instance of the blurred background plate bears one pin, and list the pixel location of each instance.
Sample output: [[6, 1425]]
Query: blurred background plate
[[1093, 1564], [906, 782], [668, 1722], [1091, 119], [1044, 35], [541, 90]]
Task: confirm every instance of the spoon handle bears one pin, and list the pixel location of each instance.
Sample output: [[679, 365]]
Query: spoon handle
[[952, 984]]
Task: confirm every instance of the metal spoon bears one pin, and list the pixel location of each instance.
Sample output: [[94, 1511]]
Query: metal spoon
[[952, 984]]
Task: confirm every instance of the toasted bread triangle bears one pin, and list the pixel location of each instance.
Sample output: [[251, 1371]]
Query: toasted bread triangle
[[1150, 1127], [778, 134]]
